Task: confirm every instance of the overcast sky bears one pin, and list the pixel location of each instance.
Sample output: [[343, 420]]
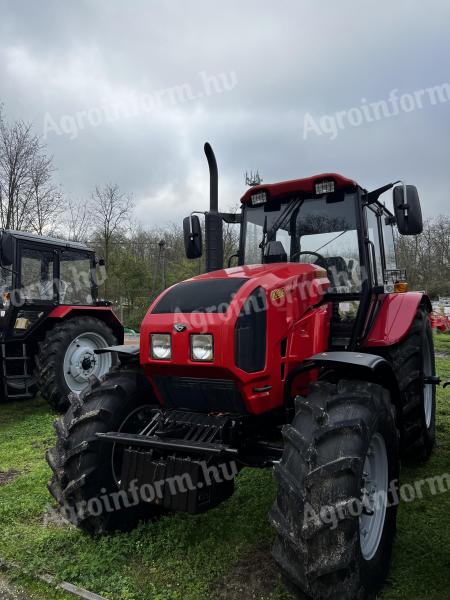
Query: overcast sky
[[123, 92]]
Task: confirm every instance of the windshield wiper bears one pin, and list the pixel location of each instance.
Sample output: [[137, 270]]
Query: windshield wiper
[[332, 240], [286, 213]]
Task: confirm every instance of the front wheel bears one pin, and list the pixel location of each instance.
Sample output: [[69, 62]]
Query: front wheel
[[67, 359], [87, 469], [335, 513]]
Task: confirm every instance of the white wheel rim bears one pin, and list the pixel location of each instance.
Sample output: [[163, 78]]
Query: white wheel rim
[[80, 360], [374, 497], [427, 388]]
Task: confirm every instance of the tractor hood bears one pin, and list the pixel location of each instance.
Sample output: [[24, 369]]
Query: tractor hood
[[250, 312], [293, 285]]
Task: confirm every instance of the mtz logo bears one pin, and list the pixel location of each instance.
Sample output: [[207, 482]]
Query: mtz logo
[[179, 327]]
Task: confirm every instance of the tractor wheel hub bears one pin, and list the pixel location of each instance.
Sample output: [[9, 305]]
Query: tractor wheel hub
[[80, 361]]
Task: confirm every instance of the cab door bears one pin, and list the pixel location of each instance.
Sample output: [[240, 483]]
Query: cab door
[[36, 293]]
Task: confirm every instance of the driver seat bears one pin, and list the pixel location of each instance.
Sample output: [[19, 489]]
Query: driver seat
[[275, 252], [337, 272]]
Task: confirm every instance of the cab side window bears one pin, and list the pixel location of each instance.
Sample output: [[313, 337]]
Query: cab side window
[[389, 243], [75, 278], [36, 274]]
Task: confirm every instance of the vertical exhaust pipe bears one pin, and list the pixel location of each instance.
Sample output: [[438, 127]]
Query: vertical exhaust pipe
[[213, 219], [213, 178]]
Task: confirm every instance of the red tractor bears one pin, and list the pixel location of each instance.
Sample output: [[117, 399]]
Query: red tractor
[[310, 357], [50, 320], [440, 323]]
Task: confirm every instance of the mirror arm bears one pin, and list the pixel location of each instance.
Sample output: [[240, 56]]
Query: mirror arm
[[231, 218], [375, 194], [194, 212], [405, 203]]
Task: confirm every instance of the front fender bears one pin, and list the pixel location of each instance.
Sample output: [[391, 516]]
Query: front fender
[[394, 319]]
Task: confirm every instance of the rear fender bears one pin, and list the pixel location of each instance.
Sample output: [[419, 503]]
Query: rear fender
[[394, 318], [104, 313]]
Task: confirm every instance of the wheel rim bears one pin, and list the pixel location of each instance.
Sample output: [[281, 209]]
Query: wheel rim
[[80, 360], [374, 497], [427, 388]]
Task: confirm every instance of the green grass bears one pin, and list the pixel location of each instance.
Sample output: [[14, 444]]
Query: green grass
[[442, 342], [220, 554]]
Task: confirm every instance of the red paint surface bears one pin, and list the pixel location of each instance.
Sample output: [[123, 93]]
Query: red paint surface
[[440, 323], [276, 190], [105, 313], [394, 319], [293, 317]]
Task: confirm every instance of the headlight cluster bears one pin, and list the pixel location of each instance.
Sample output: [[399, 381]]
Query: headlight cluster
[[202, 347], [161, 346]]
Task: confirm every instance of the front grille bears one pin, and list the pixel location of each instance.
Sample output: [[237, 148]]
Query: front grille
[[202, 395]]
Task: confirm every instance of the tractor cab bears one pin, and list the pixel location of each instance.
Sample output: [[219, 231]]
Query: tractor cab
[[38, 273], [46, 282], [327, 220]]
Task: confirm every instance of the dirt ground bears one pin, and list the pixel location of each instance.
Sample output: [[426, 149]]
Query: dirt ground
[[7, 476], [7, 592]]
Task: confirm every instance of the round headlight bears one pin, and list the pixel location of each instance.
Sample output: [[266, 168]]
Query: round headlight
[[161, 346], [202, 347]]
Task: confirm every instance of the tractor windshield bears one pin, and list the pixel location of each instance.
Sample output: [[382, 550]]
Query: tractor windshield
[[311, 230]]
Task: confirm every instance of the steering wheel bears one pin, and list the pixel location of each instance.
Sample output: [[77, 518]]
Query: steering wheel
[[320, 258]]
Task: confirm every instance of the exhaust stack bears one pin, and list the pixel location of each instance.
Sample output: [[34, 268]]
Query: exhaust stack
[[213, 179], [213, 219]]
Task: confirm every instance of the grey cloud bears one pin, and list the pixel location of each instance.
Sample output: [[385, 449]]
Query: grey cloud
[[290, 59]]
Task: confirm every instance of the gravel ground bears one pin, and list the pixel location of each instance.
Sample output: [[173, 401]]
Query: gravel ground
[[7, 592]]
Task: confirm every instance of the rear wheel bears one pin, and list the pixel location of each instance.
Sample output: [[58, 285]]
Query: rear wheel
[[413, 361], [66, 358], [86, 469], [335, 524]]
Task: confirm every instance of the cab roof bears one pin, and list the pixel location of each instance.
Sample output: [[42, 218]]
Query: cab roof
[[45, 240], [306, 185]]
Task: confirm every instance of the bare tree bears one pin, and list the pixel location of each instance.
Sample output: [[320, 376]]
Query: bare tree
[[46, 197], [77, 221], [110, 212], [28, 198], [427, 257], [18, 148]]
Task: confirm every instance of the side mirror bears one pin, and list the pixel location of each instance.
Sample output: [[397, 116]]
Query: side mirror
[[7, 249], [407, 210], [192, 237]]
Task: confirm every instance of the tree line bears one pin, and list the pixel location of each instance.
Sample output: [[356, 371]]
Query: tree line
[[141, 262]]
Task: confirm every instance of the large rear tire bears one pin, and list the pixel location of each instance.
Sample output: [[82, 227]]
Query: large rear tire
[[413, 359], [66, 358], [86, 469], [340, 459]]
